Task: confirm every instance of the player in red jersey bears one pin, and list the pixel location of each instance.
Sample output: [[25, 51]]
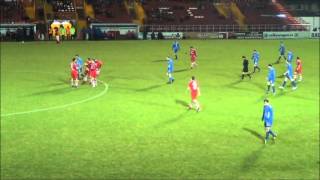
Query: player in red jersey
[[298, 71], [195, 92], [99, 65], [86, 70], [93, 73], [193, 56], [74, 73]]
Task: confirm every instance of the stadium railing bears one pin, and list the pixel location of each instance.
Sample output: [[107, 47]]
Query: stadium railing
[[226, 28]]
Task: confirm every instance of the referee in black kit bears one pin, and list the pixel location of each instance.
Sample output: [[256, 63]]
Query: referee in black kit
[[245, 70]]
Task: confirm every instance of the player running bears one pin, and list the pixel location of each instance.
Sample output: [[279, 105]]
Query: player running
[[79, 62], [267, 117], [271, 79], [255, 57], [74, 73], [298, 71], [193, 56], [290, 56], [170, 70], [195, 92], [289, 75], [245, 70], [282, 51], [176, 48]]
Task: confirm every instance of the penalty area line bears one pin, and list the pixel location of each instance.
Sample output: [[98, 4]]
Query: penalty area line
[[105, 90]]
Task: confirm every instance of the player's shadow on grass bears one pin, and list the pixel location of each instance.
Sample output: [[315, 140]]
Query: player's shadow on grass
[[171, 121], [159, 60], [182, 103], [53, 91], [150, 88], [181, 70], [251, 160], [254, 133]]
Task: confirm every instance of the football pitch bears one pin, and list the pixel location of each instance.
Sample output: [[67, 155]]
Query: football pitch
[[136, 126]]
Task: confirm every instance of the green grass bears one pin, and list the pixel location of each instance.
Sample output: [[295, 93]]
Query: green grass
[[140, 129]]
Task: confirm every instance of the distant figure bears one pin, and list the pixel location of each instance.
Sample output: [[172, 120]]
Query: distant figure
[[289, 75], [290, 56], [282, 51], [194, 89], [298, 71], [255, 57], [176, 48], [267, 118], [245, 69], [74, 73], [193, 57], [170, 70], [271, 79]]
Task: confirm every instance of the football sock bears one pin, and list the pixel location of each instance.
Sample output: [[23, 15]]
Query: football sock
[[270, 132], [268, 88], [284, 83], [242, 76], [273, 89], [267, 135]]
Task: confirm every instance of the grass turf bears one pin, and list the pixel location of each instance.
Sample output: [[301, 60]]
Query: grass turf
[[140, 128]]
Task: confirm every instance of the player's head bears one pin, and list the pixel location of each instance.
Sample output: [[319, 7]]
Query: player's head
[[298, 57], [243, 57], [77, 55], [191, 47], [73, 59], [167, 58], [269, 66], [193, 78], [254, 50], [266, 101]]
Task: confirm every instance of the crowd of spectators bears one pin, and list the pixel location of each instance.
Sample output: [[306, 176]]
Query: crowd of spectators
[[63, 6], [12, 11]]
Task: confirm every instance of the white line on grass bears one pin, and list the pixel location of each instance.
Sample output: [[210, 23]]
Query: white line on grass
[[106, 86]]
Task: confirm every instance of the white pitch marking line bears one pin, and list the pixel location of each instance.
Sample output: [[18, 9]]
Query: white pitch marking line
[[61, 106]]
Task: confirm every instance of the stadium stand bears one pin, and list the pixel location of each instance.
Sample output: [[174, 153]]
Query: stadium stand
[[110, 11], [12, 11]]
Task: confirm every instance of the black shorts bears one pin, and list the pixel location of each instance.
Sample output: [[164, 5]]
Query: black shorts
[[245, 70]]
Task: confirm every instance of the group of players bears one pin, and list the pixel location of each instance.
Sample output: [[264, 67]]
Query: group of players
[[289, 74], [193, 85], [267, 115], [89, 70]]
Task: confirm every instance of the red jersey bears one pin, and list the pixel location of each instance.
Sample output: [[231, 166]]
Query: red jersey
[[299, 66], [193, 53], [93, 66], [74, 67], [193, 86], [99, 63]]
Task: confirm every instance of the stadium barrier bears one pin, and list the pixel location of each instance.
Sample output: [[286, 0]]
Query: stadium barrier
[[286, 35], [315, 35], [17, 32], [246, 35]]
